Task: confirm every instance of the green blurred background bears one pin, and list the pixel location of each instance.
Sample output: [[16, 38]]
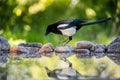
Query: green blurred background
[[27, 20]]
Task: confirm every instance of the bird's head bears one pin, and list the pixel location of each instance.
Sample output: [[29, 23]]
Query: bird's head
[[48, 30]]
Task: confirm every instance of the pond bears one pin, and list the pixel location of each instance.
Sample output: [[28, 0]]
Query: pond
[[32, 61]]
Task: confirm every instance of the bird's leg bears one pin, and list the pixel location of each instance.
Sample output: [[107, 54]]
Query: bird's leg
[[68, 40], [64, 40]]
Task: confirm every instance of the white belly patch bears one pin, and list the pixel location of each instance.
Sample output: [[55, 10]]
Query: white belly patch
[[69, 32]]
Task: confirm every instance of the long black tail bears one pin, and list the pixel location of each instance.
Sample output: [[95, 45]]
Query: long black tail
[[99, 21]]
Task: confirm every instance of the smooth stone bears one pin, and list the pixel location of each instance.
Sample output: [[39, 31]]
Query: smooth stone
[[4, 45], [64, 54], [113, 50], [4, 58], [31, 44], [46, 50], [115, 40], [115, 57], [114, 46], [19, 50], [82, 53], [98, 50], [4, 51], [64, 51], [84, 45]]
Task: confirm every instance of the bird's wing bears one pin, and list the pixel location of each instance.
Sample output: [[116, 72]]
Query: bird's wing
[[64, 24]]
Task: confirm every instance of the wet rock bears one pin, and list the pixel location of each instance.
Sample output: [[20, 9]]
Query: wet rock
[[4, 50], [64, 51], [113, 50], [85, 51], [64, 55], [24, 51], [4, 58], [46, 50], [84, 45], [4, 45], [114, 46], [98, 50], [82, 53], [116, 40], [32, 44]]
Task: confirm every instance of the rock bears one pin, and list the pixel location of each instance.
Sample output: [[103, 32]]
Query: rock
[[4, 50], [82, 53], [20, 50], [64, 55], [114, 46], [64, 51], [98, 50], [84, 45], [32, 44], [85, 51], [116, 40], [113, 50], [4, 58], [4, 45], [46, 50]]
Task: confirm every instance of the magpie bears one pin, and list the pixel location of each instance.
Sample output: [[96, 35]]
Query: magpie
[[70, 27]]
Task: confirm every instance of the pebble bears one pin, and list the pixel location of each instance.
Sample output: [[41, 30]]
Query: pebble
[[4, 50], [82, 53], [115, 40], [4, 45], [18, 50], [85, 51], [31, 44], [113, 50], [98, 50], [84, 45], [64, 51], [46, 50]]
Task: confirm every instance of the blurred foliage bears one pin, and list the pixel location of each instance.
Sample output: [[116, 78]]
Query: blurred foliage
[[23, 19], [27, 20]]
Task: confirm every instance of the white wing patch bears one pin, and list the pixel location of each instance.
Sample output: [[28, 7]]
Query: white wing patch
[[69, 31], [62, 26]]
